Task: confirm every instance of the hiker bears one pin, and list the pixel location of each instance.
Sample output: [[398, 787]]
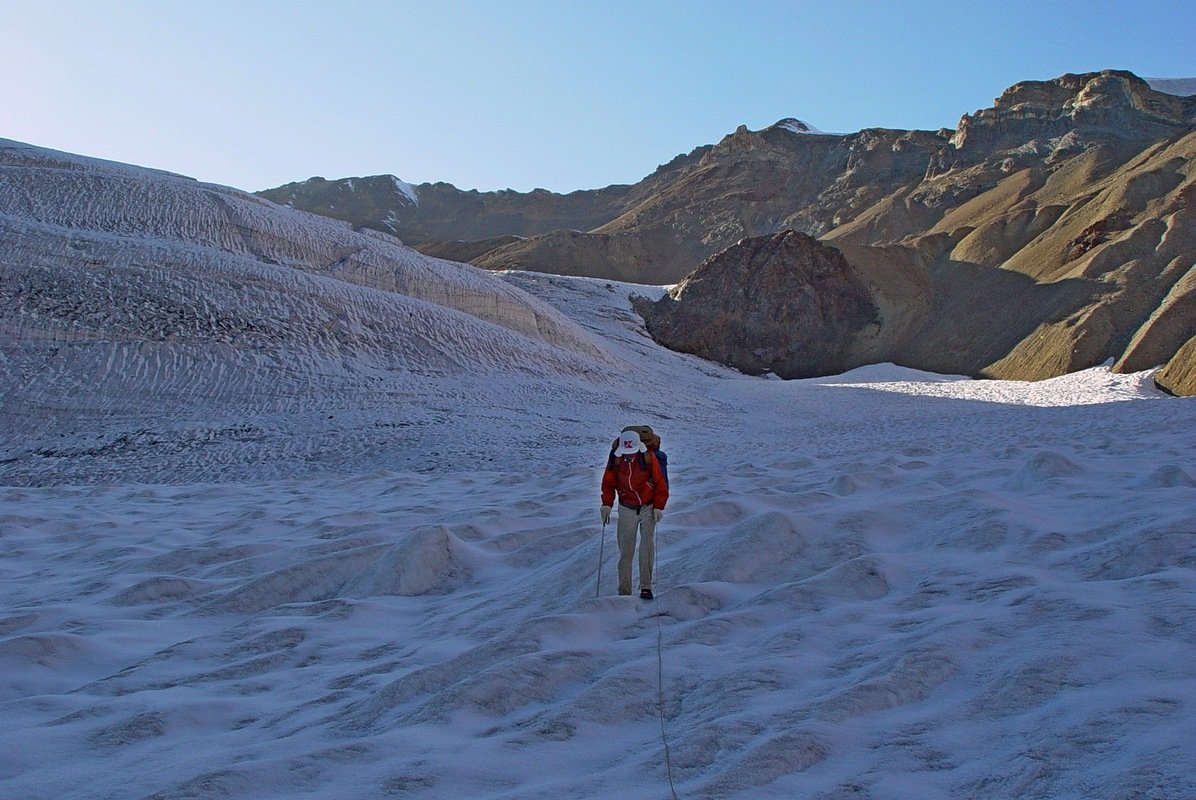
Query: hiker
[[635, 471]]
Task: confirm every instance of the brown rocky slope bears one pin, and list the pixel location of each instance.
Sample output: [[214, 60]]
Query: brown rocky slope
[[1055, 232], [1048, 233]]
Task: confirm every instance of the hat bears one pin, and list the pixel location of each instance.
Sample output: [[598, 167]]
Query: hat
[[647, 435], [629, 442]]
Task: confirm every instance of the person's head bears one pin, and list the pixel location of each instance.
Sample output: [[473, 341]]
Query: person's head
[[629, 443], [647, 435]]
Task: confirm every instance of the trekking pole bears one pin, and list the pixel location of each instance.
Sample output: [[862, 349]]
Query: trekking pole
[[601, 548]]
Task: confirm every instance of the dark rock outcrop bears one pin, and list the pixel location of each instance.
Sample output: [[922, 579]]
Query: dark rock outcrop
[[782, 303]]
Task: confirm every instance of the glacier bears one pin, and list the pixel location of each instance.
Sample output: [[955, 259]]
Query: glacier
[[290, 510]]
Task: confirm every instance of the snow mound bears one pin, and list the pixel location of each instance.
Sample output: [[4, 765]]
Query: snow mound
[[1094, 385], [104, 209], [196, 321]]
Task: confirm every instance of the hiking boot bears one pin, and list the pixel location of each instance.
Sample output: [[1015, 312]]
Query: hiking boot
[[645, 594]]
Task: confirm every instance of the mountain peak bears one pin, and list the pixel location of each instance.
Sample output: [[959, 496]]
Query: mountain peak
[[794, 125]]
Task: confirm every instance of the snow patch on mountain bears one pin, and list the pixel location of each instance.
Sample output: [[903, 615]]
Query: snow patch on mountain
[[794, 125], [405, 189]]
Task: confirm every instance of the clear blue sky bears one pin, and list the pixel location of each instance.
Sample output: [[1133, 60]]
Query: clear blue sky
[[562, 94]]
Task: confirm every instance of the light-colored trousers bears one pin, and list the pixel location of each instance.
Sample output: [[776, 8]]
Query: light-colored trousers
[[629, 522]]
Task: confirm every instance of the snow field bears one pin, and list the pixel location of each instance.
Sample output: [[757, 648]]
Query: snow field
[[863, 592]]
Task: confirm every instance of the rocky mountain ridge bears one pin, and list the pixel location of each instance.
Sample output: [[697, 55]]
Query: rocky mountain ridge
[[1050, 232]]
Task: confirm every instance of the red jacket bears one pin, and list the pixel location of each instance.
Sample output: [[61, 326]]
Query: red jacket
[[637, 479]]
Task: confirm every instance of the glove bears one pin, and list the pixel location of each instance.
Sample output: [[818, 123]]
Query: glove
[[604, 512], [657, 513]]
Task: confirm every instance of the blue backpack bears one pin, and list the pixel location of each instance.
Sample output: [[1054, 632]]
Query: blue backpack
[[662, 458]]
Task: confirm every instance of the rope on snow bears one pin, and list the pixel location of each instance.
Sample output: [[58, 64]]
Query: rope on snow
[[664, 737]]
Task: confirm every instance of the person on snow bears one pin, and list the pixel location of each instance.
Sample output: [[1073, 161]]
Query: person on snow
[[634, 473]]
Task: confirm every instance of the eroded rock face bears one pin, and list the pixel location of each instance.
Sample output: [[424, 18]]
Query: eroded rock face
[[782, 303], [1112, 104]]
